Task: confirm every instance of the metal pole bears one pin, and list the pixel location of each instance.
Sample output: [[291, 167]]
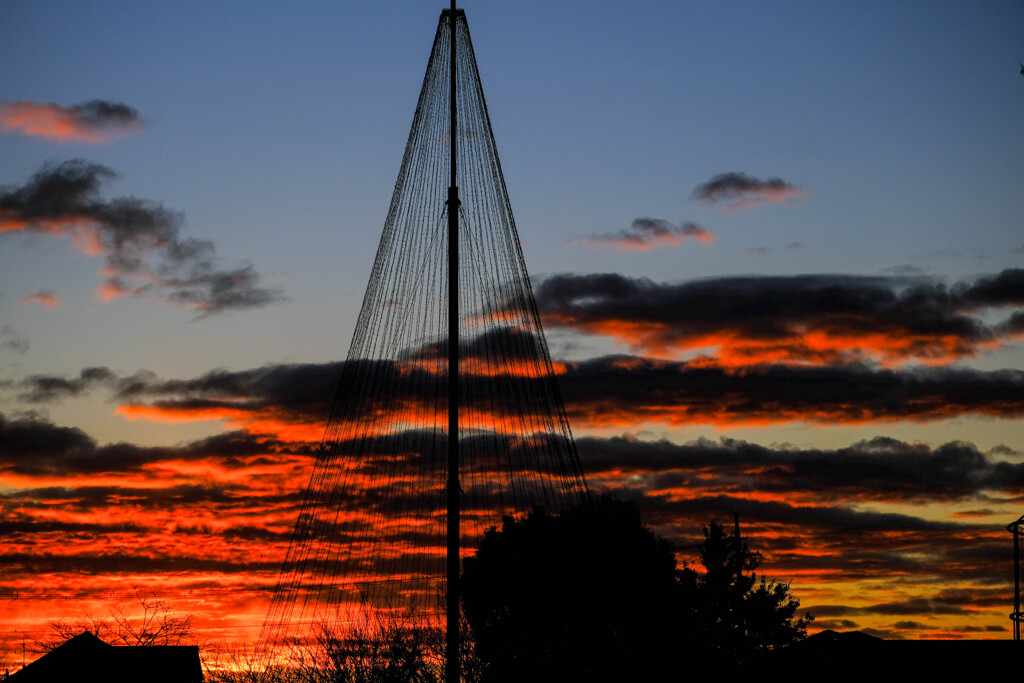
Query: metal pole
[[452, 588], [1016, 581], [1016, 616]]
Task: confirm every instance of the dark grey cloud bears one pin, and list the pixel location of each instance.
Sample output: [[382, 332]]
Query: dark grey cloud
[[610, 391], [912, 606], [629, 390], [146, 255], [835, 624], [12, 341], [880, 468], [652, 233], [829, 537], [90, 122], [739, 190], [51, 388], [124, 563], [300, 392], [1003, 289], [812, 518], [35, 446], [101, 113], [850, 317]]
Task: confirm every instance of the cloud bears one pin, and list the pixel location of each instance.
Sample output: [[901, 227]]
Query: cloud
[[799, 319], [51, 388], [46, 297], [740, 191], [215, 516], [12, 341], [146, 256], [623, 391], [652, 233], [877, 469], [915, 606], [1003, 289], [89, 122], [36, 446], [293, 401]]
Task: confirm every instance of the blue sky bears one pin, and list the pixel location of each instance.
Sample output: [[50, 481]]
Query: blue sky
[[278, 130]]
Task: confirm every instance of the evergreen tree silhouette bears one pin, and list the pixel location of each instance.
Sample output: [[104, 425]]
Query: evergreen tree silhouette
[[739, 616]]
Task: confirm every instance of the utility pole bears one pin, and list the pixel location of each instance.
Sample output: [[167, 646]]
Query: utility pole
[[1016, 616]]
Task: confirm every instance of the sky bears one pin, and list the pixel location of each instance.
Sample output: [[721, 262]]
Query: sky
[[778, 249]]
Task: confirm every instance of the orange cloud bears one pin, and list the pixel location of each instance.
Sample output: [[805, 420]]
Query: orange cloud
[[799, 320], [651, 233], [735, 349], [90, 122], [207, 524], [45, 297]]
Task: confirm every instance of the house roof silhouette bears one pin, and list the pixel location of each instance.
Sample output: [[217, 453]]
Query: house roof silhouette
[[86, 656]]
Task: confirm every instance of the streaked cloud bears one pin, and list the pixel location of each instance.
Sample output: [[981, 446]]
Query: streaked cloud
[[145, 254], [90, 122], [798, 319], [741, 191], [52, 388], [624, 391], [214, 516], [651, 233], [881, 468], [293, 401]]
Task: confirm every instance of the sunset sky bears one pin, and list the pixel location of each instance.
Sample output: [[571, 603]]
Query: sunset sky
[[778, 249]]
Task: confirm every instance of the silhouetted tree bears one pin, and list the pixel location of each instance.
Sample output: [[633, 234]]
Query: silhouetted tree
[[150, 621], [740, 617], [388, 651], [365, 647], [590, 594], [593, 595]]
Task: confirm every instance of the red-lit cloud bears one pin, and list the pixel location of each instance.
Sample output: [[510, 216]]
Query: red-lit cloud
[[90, 122], [294, 401], [215, 516], [207, 523], [802, 319], [45, 297], [621, 391], [652, 233]]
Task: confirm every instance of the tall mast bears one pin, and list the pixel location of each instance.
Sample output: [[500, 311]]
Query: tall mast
[[452, 586]]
